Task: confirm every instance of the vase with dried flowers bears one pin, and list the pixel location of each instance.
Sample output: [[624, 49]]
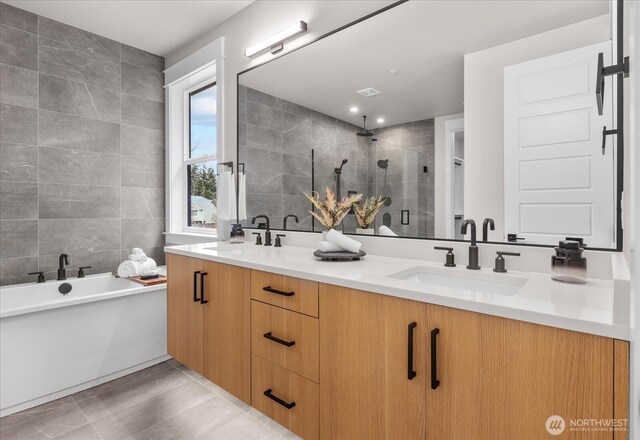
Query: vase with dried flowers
[[331, 211], [366, 213]]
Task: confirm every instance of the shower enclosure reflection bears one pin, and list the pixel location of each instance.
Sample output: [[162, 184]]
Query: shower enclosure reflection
[[392, 162]]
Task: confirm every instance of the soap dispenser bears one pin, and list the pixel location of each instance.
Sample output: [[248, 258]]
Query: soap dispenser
[[237, 233], [568, 265]]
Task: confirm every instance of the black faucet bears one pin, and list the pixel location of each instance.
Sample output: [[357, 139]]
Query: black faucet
[[491, 224], [473, 248], [267, 234], [284, 222], [62, 273]]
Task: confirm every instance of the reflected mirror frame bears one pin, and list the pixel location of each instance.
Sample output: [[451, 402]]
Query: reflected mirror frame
[[618, 11]]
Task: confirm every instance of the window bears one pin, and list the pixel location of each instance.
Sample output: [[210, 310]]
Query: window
[[201, 160], [195, 137]]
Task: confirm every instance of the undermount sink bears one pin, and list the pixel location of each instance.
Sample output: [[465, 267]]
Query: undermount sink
[[497, 284]]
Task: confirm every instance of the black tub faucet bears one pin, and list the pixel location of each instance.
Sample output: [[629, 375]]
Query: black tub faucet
[[63, 260], [488, 222], [286, 217], [473, 248], [267, 234]]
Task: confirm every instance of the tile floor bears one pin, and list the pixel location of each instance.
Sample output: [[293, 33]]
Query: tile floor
[[165, 402]]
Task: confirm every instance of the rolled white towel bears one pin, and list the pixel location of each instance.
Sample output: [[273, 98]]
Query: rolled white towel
[[129, 268], [137, 251], [344, 242], [384, 230], [142, 258], [132, 268], [327, 246], [148, 267], [134, 257]]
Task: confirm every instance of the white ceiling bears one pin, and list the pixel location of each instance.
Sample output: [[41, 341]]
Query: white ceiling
[[159, 26], [424, 40]]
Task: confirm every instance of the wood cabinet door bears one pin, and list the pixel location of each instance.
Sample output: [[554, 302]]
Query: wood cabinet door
[[365, 389], [550, 371], [502, 379], [468, 391], [184, 313], [227, 328]]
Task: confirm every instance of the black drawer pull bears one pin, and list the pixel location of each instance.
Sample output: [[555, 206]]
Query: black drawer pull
[[202, 300], [277, 292], [410, 372], [278, 340], [434, 359], [279, 400], [195, 286]]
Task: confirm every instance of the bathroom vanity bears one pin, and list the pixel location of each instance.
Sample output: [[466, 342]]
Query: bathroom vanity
[[502, 124], [389, 348]]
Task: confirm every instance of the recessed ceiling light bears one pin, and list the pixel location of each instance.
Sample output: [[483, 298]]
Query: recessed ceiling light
[[353, 109], [380, 120], [393, 71]]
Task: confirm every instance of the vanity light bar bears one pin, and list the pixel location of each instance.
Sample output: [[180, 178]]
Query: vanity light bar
[[274, 43]]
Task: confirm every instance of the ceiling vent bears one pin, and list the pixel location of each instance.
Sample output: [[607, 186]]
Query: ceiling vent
[[368, 92]]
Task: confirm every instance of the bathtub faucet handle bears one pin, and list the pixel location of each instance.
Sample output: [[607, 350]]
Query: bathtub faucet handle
[[40, 276], [81, 271]]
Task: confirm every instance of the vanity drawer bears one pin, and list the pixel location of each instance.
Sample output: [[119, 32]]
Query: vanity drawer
[[286, 338], [286, 292], [293, 401]]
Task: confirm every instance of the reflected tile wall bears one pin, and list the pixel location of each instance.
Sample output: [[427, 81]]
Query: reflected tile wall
[[81, 148], [276, 138]]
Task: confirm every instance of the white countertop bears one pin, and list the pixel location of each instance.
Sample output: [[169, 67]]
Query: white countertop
[[587, 308]]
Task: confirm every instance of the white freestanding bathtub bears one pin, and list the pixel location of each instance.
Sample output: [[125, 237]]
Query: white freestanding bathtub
[[52, 345]]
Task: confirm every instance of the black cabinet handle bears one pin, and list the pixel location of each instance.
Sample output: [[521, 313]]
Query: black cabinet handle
[[202, 300], [277, 292], [410, 373], [195, 286], [434, 359], [279, 400], [278, 340]]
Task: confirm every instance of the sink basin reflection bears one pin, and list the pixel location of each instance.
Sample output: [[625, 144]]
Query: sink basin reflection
[[496, 284]]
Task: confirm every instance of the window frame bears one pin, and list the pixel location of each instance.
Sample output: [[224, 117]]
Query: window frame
[[189, 161], [193, 72]]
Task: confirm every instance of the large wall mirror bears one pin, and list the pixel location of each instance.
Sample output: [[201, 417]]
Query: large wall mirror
[[474, 109]]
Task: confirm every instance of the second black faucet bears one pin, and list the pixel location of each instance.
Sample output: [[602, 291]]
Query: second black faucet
[[473, 248], [267, 234]]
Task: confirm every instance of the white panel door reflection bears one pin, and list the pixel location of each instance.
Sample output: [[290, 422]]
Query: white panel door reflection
[[559, 181]]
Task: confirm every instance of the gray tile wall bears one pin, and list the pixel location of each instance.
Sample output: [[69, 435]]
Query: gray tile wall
[[81, 148]]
